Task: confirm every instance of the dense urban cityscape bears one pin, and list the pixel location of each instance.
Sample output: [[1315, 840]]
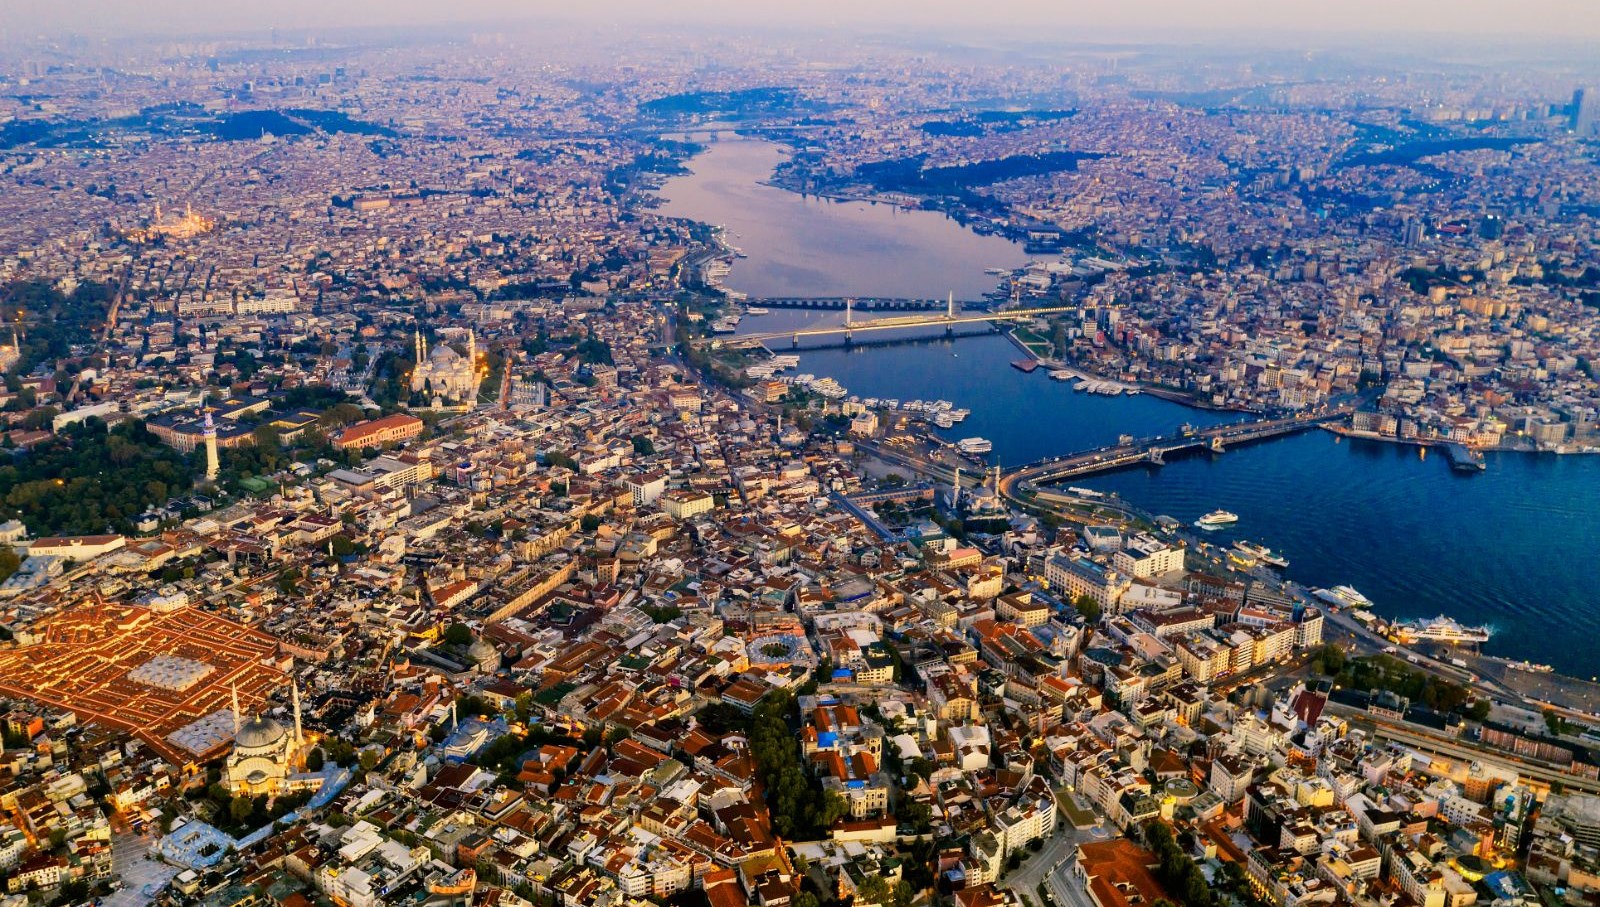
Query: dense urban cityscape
[[409, 501]]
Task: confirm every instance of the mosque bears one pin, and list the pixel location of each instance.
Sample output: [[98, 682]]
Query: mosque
[[981, 510], [444, 374], [190, 224], [266, 755]]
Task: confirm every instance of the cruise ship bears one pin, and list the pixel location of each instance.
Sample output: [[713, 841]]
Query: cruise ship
[[1440, 629], [975, 445], [1217, 519], [1344, 596], [1262, 553]]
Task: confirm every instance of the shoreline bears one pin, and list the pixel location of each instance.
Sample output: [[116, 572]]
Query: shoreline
[[1345, 431], [1171, 395]]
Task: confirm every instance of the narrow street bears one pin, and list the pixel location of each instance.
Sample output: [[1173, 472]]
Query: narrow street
[[1052, 865]]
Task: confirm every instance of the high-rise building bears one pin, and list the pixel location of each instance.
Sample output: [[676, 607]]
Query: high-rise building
[[1585, 112]]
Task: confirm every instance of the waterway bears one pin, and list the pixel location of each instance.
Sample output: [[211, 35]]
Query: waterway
[[1509, 547], [810, 246]]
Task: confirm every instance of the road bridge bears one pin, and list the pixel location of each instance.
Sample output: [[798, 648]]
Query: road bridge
[[1154, 450]]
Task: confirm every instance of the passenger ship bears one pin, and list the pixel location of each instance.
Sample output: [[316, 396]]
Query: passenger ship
[[1440, 629], [1216, 519]]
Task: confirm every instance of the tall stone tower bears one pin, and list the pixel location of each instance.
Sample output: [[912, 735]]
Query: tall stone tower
[[213, 467]]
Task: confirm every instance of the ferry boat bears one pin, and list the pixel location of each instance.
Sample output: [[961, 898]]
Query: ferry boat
[[1464, 459], [1344, 596], [1262, 553], [1440, 629], [1216, 519], [757, 310], [975, 445], [944, 420]]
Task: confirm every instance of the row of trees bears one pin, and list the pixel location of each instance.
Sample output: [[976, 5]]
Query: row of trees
[[1381, 672], [1183, 880], [801, 809]]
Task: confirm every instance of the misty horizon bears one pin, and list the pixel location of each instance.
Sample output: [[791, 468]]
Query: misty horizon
[[1557, 21]]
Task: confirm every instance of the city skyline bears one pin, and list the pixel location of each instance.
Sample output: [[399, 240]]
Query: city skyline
[[880, 455]]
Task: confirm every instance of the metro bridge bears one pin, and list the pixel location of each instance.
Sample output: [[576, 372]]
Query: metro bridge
[[862, 303], [948, 320]]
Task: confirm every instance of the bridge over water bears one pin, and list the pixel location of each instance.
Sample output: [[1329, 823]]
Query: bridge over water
[[1154, 450], [947, 319], [863, 303]]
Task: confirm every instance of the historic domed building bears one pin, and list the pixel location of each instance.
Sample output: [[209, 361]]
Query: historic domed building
[[265, 753], [445, 374]]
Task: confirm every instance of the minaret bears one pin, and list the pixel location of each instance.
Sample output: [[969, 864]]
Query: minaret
[[472, 349], [955, 490], [299, 738], [236, 719], [213, 468], [416, 345]]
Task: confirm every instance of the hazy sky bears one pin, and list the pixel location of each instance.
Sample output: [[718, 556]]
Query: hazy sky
[[1570, 19]]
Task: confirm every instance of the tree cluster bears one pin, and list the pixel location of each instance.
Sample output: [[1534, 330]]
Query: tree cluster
[[801, 809], [91, 479]]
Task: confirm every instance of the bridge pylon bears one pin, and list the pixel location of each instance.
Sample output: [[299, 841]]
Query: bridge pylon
[[1155, 458], [1216, 445]]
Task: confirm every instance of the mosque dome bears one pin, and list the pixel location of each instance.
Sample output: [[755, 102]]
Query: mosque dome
[[259, 733], [484, 654], [443, 355]]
